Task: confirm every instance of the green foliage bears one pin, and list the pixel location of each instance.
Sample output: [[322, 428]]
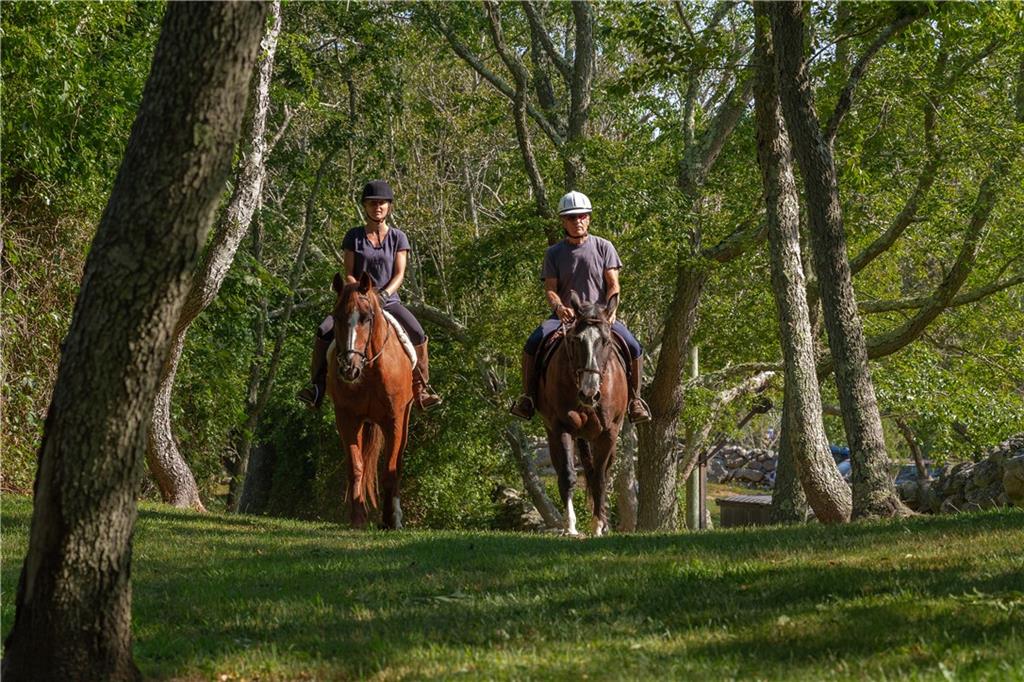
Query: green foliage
[[376, 88]]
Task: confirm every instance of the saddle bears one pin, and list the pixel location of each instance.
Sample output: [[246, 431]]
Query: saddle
[[551, 344], [402, 336]]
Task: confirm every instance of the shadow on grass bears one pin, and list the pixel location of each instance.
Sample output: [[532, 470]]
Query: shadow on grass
[[787, 601], [366, 602]]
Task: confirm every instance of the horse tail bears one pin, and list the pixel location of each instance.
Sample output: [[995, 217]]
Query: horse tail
[[373, 441]]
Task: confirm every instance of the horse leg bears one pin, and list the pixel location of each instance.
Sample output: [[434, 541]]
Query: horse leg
[[396, 435], [604, 454], [352, 443], [561, 447], [590, 471]]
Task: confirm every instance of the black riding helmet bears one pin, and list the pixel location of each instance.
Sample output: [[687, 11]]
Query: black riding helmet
[[378, 189]]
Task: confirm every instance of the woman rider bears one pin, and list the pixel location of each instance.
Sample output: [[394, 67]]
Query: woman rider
[[382, 252], [588, 265]]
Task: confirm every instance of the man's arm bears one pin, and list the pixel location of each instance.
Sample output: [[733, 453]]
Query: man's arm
[[564, 312], [611, 280]]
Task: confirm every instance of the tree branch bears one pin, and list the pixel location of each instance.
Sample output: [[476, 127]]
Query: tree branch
[[846, 96], [699, 158], [538, 31], [972, 296], [502, 87], [438, 317]]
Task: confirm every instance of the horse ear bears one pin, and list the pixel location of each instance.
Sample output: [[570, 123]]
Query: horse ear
[[338, 284], [612, 304], [365, 283], [574, 299]]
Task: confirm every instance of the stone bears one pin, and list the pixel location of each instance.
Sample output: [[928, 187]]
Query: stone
[[910, 493], [749, 475], [1013, 480], [770, 464], [514, 512], [717, 471]]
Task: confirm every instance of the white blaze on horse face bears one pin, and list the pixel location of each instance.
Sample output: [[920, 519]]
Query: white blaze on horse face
[[590, 382], [570, 519], [353, 326]]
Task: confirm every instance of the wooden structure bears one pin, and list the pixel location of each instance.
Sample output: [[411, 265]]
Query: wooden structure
[[745, 510]]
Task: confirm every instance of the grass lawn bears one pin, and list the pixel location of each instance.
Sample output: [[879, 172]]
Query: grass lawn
[[225, 598]]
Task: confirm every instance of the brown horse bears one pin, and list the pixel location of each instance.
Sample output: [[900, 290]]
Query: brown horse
[[582, 399], [369, 379]]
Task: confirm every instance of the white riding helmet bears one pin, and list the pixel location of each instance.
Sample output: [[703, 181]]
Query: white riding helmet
[[574, 203]]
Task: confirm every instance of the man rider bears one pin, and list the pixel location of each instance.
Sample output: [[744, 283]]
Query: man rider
[[588, 265]]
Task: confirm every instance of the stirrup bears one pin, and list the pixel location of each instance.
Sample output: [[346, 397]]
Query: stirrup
[[310, 395], [640, 417], [519, 409], [427, 399]]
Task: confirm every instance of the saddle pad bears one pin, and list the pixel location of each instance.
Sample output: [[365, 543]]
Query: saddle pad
[[402, 336]]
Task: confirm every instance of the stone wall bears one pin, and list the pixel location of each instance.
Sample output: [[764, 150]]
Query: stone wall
[[997, 480], [734, 463]]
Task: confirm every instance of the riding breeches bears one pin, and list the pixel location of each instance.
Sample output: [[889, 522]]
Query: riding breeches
[[551, 325], [409, 323]]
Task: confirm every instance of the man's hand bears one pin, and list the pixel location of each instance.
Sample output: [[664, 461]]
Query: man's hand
[[565, 314]]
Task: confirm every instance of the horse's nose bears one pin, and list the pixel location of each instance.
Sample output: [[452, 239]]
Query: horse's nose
[[350, 372], [588, 400]]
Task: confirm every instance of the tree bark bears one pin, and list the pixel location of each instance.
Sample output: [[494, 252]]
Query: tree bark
[[789, 503], [169, 469], [874, 493], [656, 466], [73, 613], [803, 429], [521, 76], [516, 440], [579, 93], [625, 479]]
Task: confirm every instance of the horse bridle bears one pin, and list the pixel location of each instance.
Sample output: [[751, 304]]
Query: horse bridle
[[578, 372], [369, 337]]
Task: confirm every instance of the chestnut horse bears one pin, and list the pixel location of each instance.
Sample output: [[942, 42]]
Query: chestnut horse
[[582, 398], [369, 379]]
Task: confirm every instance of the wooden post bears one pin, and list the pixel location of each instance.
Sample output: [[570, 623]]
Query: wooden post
[[694, 492]]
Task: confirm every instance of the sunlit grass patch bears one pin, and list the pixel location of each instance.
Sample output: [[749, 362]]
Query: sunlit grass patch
[[221, 597]]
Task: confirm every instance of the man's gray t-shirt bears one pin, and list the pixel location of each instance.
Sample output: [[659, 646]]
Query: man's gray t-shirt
[[580, 268]]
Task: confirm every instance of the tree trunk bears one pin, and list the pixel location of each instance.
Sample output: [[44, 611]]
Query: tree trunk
[[915, 449], [73, 613], [874, 493], [625, 479], [172, 474], [804, 431], [656, 465], [789, 503], [531, 481]]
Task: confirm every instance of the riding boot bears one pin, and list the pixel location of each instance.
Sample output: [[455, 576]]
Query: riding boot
[[637, 410], [423, 395], [525, 405], [313, 394]]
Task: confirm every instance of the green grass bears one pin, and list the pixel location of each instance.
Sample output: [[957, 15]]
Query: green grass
[[926, 598]]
